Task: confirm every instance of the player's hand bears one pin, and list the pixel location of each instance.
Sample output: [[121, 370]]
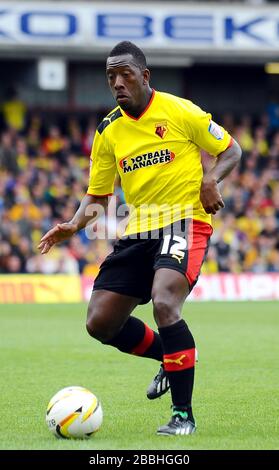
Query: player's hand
[[55, 235], [210, 196]]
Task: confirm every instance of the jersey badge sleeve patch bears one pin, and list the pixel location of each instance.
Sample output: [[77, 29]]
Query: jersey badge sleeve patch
[[216, 130]]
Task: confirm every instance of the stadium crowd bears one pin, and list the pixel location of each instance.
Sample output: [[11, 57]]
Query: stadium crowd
[[44, 174]]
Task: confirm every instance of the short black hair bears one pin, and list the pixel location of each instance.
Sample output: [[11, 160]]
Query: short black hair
[[127, 47]]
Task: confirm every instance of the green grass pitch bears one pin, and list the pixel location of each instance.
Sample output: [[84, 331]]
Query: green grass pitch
[[45, 348]]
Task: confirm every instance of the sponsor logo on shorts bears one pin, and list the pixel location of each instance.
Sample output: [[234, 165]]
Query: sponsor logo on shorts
[[178, 258]]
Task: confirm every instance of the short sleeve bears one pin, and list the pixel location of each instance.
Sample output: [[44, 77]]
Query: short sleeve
[[102, 167], [204, 132]]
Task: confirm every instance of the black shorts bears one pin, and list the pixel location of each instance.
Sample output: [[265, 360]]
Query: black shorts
[[130, 268]]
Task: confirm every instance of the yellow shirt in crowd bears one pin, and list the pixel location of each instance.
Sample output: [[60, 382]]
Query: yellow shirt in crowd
[[14, 112]]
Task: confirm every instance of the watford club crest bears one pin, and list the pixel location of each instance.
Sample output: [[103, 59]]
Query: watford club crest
[[161, 129]]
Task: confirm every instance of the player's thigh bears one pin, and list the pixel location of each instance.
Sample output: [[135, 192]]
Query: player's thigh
[[107, 313], [184, 248], [128, 270], [169, 291], [177, 264]]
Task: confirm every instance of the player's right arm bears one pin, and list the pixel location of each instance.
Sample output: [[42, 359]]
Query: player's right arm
[[101, 183], [62, 232]]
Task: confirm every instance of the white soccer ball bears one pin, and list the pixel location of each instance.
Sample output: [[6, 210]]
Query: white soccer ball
[[74, 412]]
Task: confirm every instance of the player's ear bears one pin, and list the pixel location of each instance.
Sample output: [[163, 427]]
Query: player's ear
[[146, 76]]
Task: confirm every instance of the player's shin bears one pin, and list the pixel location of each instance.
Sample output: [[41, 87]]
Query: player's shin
[[179, 362], [137, 338]]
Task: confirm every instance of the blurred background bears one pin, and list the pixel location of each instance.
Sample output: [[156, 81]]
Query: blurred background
[[222, 55]]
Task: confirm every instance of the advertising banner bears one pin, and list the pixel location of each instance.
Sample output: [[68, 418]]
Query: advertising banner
[[222, 287], [237, 287], [38, 288], [173, 26], [59, 288]]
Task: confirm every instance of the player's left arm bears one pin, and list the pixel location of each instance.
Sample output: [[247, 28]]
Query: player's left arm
[[216, 141], [210, 195]]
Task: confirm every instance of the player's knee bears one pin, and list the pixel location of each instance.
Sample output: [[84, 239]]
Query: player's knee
[[165, 312], [91, 330], [95, 326], [96, 330]]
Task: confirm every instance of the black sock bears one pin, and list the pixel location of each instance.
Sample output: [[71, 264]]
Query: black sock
[[179, 361], [137, 338]]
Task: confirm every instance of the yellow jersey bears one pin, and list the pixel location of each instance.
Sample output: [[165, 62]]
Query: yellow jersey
[[14, 112], [157, 157]]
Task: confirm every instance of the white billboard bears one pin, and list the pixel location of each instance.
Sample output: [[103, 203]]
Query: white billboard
[[246, 286], [223, 287], [97, 26]]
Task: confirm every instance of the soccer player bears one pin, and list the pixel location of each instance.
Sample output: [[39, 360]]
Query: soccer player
[[153, 141]]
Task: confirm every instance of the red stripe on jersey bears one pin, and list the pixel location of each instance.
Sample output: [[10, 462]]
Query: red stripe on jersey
[[140, 349], [200, 236], [179, 360], [230, 144]]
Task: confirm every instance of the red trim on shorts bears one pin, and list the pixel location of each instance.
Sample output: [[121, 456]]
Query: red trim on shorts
[[142, 347], [197, 243], [97, 195], [180, 360], [144, 111]]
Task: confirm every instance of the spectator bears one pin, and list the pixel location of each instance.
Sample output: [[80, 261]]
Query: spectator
[[8, 154], [43, 180], [14, 111]]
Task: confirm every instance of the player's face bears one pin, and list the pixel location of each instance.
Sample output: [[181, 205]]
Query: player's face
[[127, 81]]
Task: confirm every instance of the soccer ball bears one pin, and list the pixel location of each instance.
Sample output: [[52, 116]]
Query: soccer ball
[[74, 412]]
